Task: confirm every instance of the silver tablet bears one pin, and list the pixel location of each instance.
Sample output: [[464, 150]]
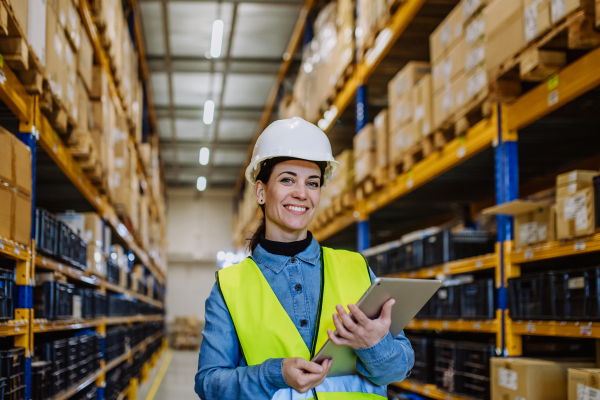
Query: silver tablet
[[410, 295]]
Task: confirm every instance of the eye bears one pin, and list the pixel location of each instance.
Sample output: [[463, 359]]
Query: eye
[[286, 180], [314, 184]]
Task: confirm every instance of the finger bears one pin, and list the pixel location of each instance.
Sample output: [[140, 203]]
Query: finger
[[360, 316], [337, 340], [386, 312], [309, 366], [346, 319], [341, 329]]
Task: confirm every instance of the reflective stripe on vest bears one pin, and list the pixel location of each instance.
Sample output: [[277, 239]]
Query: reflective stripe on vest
[[266, 331]]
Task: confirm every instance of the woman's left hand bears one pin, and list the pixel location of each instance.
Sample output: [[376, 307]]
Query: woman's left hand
[[363, 333]]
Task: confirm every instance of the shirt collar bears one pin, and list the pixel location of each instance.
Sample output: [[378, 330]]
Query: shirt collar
[[311, 256]]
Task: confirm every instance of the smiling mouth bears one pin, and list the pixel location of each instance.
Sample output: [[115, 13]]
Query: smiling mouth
[[296, 209]]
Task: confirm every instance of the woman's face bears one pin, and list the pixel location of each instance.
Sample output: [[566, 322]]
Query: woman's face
[[291, 196]]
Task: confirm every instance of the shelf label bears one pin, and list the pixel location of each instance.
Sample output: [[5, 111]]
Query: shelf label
[[507, 378], [17, 250], [426, 391], [579, 245], [479, 264], [410, 183], [446, 325], [462, 151], [528, 253], [530, 327], [43, 261], [585, 330], [430, 272], [587, 393], [477, 325], [446, 269], [552, 97], [425, 324]]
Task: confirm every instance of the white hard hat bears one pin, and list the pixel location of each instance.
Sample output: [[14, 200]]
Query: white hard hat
[[293, 137]]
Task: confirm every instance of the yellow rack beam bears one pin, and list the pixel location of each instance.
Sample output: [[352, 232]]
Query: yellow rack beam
[[14, 327], [13, 250], [340, 223], [428, 390], [472, 264], [44, 325], [581, 329], [461, 325], [555, 249], [47, 263], [133, 319], [90, 379]]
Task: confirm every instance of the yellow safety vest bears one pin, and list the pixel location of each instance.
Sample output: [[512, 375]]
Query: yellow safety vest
[[266, 331]]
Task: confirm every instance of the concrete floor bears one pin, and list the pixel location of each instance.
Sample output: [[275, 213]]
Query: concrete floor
[[177, 382]]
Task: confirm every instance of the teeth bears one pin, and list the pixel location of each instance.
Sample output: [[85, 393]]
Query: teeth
[[298, 209]]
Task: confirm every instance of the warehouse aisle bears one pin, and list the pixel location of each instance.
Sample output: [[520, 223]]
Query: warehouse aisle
[[178, 380]]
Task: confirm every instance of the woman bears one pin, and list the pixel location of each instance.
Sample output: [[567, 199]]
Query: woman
[[267, 316]]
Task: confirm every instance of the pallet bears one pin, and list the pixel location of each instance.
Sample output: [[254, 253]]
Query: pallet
[[549, 53], [378, 179], [411, 156], [343, 202], [16, 51], [55, 110]]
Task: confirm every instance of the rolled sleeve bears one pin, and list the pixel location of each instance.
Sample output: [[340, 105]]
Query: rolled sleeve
[[388, 361], [378, 353], [274, 373]]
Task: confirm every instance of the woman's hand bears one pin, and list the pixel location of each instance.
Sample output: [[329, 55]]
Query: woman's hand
[[364, 332], [304, 375]]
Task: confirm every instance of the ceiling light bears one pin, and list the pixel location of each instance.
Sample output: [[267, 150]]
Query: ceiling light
[[209, 112], [201, 184], [217, 39], [204, 155]]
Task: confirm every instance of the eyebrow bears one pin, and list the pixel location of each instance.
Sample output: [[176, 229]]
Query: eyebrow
[[295, 174]]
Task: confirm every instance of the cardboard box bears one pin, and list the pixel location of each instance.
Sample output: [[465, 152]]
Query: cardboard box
[[7, 201], [36, 30], [56, 43], [446, 34], [531, 379], [381, 133], [446, 102], [364, 165], [561, 8], [534, 222], [400, 92], [476, 83], [93, 229], [583, 384], [475, 31], [22, 219], [21, 10], [22, 166], [85, 60], [504, 32], [537, 18], [365, 140], [577, 177], [68, 15], [401, 139], [448, 68], [99, 89], [575, 214], [423, 98], [6, 157], [69, 100], [470, 7], [82, 106]]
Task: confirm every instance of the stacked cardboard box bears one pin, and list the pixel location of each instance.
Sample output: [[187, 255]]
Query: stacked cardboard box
[[186, 333], [119, 256], [381, 123], [531, 379], [365, 156], [15, 189], [575, 213], [583, 384], [403, 120]]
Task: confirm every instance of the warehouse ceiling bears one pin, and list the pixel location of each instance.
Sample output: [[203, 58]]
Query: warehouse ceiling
[[183, 77]]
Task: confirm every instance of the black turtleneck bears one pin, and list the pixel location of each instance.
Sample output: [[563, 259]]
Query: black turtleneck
[[285, 249]]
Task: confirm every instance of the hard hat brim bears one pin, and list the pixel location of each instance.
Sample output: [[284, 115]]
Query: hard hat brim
[[253, 169]]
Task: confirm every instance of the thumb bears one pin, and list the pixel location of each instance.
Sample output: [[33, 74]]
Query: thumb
[[309, 366], [386, 312]]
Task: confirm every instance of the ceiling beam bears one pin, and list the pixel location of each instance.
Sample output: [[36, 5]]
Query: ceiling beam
[[195, 112], [203, 169], [196, 145], [246, 66]]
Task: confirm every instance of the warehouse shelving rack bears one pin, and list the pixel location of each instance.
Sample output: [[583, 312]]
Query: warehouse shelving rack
[[497, 134], [35, 129]]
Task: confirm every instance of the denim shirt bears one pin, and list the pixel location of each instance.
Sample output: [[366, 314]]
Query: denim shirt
[[222, 370]]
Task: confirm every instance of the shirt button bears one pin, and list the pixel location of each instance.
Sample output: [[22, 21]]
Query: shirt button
[[298, 287], [293, 259], [303, 322]]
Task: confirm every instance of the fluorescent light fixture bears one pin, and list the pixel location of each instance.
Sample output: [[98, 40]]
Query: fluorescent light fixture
[[216, 40], [221, 255], [204, 155], [131, 257], [201, 184], [209, 112]]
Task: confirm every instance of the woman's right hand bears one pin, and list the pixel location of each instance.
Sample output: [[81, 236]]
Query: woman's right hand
[[304, 375]]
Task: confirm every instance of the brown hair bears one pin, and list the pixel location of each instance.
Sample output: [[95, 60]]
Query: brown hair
[[264, 176]]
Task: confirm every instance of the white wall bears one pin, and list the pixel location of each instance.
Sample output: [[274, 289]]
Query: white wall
[[199, 225]]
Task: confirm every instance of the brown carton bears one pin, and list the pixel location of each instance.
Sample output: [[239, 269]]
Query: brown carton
[[400, 91], [537, 18], [82, 106], [22, 165], [477, 84], [533, 222], [365, 140], [93, 229], [364, 165], [575, 215], [401, 139], [99, 89], [505, 36], [381, 133], [531, 379], [577, 177], [584, 384], [68, 15], [446, 34], [7, 201], [423, 99], [85, 59], [56, 43], [446, 102], [22, 219], [6, 157], [446, 69], [21, 10]]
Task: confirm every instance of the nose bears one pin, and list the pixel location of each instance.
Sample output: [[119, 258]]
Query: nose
[[299, 192]]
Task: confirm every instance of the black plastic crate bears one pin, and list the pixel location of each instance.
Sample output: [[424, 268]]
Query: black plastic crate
[[478, 299], [474, 369], [65, 242], [55, 352], [13, 366], [53, 300], [3, 388], [379, 263], [435, 248], [596, 181], [468, 244], [16, 393], [446, 303], [411, 257], [59, 381], [46, 232], [41, 379], [113, 272], [99, 300], [530, 297], [445, 366], [7, 294], [87, 302], [72, 375], [72, 352], [423, 369]]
